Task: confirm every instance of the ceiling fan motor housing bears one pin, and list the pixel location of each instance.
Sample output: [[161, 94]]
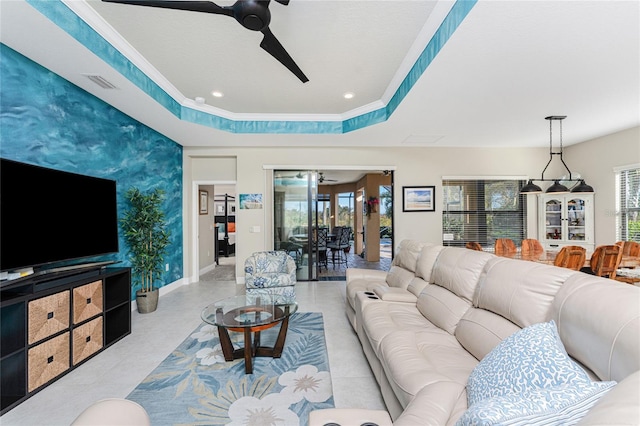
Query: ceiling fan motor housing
[[252, 14]]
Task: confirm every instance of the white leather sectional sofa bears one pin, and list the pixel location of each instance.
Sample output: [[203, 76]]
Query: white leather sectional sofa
[[427, 323]]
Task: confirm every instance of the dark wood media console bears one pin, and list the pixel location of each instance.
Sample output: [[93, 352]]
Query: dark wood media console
[[51, 323]]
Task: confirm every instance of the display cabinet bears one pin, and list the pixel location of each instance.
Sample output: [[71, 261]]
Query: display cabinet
[[51, 323], [566, 219]]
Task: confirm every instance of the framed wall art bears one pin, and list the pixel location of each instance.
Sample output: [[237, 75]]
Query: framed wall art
[[204, 202], [418, 199]]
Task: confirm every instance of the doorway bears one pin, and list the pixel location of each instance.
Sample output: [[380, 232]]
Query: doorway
[[215, 210], [309, 204], [295, 219]]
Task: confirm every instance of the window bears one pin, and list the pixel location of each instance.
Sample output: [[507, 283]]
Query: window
[[628, 193], [482, 211], [324, 210], [345, 209]]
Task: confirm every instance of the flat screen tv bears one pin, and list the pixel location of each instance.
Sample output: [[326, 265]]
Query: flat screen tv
[[49, 216]]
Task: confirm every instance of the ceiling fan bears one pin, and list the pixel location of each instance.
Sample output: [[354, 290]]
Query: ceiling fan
[[321, 178], [252, 14], [300, 175]]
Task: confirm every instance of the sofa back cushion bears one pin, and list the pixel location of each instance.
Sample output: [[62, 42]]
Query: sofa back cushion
[[403, 266], [399, 277], [598, 321], [512, 294], [426, 260], [442, 307], [416, 286], [407, 254], [459, 270], [479, 331], [520, 291]]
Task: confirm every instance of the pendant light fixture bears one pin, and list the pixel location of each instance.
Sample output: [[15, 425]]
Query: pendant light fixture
[[556, 187]]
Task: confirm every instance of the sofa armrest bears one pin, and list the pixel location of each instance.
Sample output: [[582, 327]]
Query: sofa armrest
[[619, 406], [349, 417], [434, 404], [365, 274], [394, 294]]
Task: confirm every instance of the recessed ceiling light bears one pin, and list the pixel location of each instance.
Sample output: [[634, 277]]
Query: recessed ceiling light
[[349, 95], [217, 94]]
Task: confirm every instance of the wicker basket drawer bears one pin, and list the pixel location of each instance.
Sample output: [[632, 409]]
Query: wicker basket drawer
[[87, 301], [48, 360], [87, 340], [48, 315]]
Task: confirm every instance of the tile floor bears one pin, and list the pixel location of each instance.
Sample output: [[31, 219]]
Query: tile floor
[[355, 261], [118, 370]]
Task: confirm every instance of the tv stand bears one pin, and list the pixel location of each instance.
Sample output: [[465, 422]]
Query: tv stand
[[53, 322], [57, 271], [78, 267]]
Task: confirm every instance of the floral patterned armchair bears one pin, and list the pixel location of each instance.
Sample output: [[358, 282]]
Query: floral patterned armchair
[[271, 273]]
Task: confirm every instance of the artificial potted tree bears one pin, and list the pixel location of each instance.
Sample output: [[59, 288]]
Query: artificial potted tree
[[145, 232]]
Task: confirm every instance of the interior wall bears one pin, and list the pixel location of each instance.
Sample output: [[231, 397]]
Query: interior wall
[[206, 233], [595, 161], [213, 171], [414, 167], [48, 121]]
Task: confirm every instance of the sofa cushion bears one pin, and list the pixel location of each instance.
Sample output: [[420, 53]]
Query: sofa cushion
[[413, 360], [559, 405], [459, 270], [520, 291], [528, 359], [480, 331], [406, 255], [441, 307], [426, 261], [599, 322], [399, 277], [382, 319], [417, 285]]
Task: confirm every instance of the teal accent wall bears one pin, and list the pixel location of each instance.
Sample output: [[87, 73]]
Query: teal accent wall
[[47, 121]]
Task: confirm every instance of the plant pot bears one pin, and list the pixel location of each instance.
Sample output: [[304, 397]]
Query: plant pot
[[148, 301]]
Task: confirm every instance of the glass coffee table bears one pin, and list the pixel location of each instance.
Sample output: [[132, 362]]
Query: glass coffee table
[[249, 314]]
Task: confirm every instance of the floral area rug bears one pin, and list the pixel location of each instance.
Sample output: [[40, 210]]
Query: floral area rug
[[196, 386]]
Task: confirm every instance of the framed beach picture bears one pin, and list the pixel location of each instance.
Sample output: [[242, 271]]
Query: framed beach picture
[[204, 202], [418, 199], [250, 201]]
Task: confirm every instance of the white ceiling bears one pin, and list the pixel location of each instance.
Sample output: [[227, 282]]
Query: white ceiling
[[507, 66]]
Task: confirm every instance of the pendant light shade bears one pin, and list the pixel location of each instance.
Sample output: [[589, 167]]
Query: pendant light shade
[[557, 188], [582, 187], [531, 188]]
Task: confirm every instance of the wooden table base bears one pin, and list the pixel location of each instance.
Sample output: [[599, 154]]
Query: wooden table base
[[252, 350]]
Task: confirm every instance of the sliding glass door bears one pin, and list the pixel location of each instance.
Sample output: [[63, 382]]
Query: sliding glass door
[[295, 219]]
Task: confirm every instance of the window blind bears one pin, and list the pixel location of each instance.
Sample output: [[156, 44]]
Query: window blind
[[628, 219], [483, 210]]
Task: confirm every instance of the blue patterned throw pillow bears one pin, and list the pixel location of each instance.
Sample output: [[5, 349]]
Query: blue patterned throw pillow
[[532, 358], [559, 405]]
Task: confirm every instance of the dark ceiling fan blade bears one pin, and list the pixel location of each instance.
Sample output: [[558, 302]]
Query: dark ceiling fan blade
[[193, 6], [322, 178], [283, 2], [271, 44]]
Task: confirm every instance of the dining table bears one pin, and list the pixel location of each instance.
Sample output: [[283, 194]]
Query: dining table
[[549, 256]]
